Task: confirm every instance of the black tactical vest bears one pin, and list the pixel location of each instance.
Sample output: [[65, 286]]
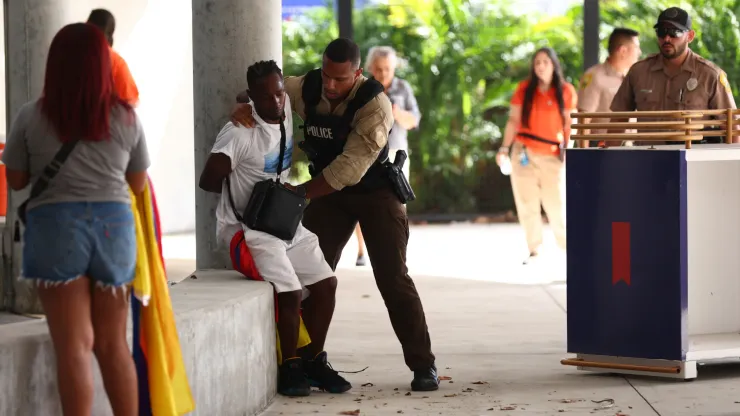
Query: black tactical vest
[[325, 135]]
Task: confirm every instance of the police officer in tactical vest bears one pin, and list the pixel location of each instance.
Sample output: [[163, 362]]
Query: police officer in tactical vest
[[347, 118]]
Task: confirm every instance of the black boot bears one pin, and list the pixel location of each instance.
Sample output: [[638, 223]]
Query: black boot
[[425, 380], [320, 374], [292, 380]]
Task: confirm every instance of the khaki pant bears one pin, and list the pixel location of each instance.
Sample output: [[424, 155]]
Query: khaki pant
[[540, 183]]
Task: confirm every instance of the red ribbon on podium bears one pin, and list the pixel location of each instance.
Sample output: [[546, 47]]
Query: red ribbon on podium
[[621, 252]]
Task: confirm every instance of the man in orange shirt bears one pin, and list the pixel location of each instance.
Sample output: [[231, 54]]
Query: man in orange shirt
[[122, 79]]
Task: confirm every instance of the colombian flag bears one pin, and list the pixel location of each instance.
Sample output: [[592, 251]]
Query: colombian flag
[[163, 384]]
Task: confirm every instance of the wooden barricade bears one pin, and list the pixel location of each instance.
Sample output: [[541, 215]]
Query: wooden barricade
[[679, 125]]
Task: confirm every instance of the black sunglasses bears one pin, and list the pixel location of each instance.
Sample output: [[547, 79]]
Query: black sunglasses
[[670, 31]]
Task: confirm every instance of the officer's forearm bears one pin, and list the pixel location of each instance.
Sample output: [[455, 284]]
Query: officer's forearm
[[318, 187]]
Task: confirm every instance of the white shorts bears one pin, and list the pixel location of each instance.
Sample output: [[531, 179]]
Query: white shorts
[[288, 265]]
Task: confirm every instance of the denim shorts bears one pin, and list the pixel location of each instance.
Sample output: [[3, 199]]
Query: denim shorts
[[64, 241]]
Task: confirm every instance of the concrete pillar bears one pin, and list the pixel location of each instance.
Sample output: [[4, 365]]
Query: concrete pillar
[[228, 36], [30, 26]]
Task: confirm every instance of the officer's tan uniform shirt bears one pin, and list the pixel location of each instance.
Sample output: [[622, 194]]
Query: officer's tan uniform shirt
[[369, 133], [700, 85], [597, 89]]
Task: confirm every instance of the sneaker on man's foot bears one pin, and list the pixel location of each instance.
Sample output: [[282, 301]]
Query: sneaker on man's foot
[[320, 374], [425, 380], [292, 379], [361, 261]]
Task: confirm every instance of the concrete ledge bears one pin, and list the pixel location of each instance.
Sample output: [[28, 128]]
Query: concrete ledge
[[227, 333]]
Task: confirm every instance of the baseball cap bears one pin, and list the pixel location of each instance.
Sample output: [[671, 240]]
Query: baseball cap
[[675, 16]]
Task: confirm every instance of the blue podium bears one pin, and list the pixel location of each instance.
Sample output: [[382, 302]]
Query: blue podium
[[653, 258]]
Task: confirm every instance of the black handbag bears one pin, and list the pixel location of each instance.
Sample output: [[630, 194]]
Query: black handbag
[[272, 208], [48, 174]]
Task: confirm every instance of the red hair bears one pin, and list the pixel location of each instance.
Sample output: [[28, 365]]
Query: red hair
[[78, 88]]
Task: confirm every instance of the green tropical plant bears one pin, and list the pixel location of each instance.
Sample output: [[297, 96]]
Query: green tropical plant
[[464, 60]]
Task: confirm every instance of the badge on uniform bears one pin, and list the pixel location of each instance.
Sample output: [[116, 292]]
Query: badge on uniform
[[586, 80], [723, 81], [691, 84]]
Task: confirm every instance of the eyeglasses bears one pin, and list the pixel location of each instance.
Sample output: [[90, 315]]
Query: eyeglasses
[[672, 32]]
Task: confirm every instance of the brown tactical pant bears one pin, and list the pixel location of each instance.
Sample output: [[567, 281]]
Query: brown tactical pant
[[385, 227], [538, 185]]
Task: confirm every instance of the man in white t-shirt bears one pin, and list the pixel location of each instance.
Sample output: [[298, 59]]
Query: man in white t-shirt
[[247, 156]]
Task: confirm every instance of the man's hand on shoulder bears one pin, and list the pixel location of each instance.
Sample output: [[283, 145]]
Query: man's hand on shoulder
[[241, 115]]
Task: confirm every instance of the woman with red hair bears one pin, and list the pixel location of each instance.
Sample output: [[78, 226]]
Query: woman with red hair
[[79, 241]]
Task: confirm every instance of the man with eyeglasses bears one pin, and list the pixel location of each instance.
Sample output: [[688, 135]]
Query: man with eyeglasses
[[676, 78]]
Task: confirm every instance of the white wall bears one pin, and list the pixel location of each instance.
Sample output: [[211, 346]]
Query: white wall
[[154, 36]]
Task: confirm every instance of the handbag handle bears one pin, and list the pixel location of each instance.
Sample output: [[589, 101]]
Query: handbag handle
[[283, 146]]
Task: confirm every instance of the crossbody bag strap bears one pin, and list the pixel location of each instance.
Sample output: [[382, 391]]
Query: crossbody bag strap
[[231, 198], [52, 169], [539, 139], [283, 146]]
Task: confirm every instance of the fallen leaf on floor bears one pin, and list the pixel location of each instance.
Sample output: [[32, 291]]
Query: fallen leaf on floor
[[400, 411], [451, 381], [445, 378], [358, 400], [396, 389], [424, 397], [350, 412], [490, 409], [408, 394], [621, 414], [480, 382], [447, 368], [508, 408], [569, 400], [468, 390], [604, 404], [368, 385], [451, 395]]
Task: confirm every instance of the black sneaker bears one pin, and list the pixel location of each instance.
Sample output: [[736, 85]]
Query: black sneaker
[[292, 380], [361, 261], [320, 375], [425, 380]]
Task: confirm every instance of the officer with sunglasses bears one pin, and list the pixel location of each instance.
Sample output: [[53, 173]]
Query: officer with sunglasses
[[676, 78]]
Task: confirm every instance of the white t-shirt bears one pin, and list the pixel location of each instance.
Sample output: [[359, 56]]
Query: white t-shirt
[[254, 154]]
